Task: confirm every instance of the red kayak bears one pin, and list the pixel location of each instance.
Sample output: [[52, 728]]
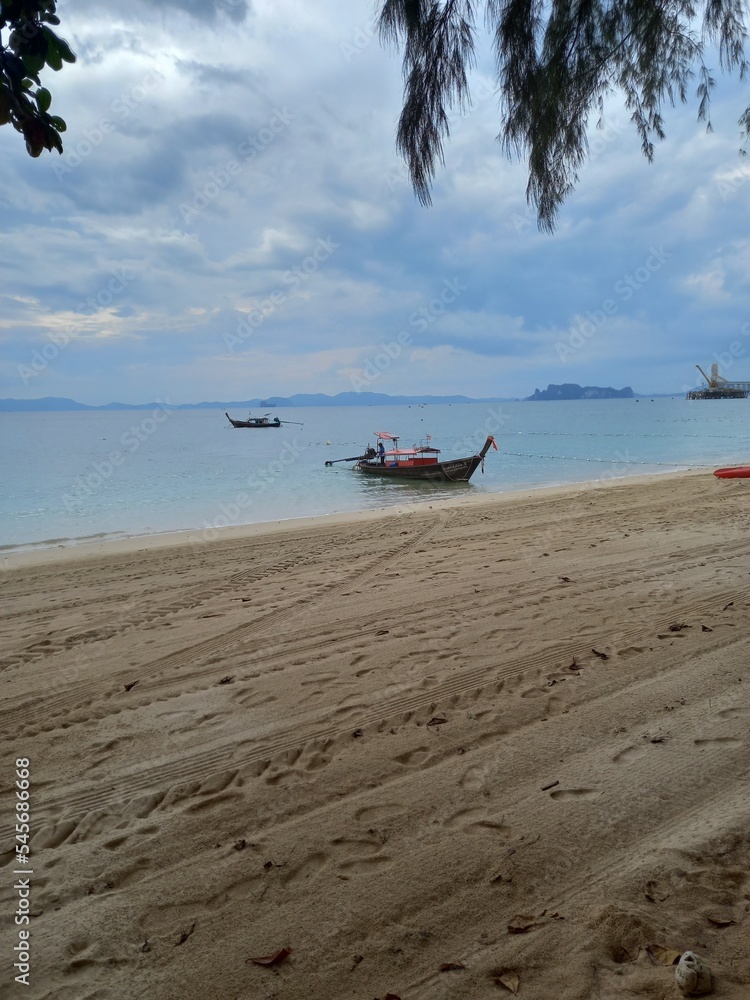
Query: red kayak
[[734, 472]]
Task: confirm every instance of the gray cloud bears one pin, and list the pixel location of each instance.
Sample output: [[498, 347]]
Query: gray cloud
[[235, 147]]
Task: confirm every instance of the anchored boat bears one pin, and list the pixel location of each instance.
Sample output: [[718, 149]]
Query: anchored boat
[[264, 421], [419, 462]]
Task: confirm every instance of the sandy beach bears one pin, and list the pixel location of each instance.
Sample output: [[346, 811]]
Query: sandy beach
[[455, 751]]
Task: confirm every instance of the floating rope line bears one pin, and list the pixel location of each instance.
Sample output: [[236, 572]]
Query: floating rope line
[[722, 437], [605, 461]]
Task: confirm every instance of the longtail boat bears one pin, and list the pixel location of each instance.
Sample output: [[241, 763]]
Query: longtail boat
[[419, 462], [264, 421]]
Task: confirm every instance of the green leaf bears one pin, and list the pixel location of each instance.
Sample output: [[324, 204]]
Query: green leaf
[[53, 57], [57, 49], [43, 99], [58, 123], [54, 60], [32, 64], [52, 140], [65, 51]]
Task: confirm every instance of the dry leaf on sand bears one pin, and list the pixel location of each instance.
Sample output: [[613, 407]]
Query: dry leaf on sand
[[721, 918], [274, 959], [450, 966], [660, 955], [509, 980], [185, 935], [521, 923]]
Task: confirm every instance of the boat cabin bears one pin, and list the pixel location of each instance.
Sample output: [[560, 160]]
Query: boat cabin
[[410, 458], [407, 458]]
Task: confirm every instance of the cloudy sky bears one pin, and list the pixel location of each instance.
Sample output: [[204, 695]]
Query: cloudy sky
[[230, 219]]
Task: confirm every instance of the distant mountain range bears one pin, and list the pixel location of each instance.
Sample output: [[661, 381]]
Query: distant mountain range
[[302, 399], [557, 392]]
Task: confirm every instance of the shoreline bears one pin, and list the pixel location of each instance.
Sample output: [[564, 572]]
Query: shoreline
[[36, 553]]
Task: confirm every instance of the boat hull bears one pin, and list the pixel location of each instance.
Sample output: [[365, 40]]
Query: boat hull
[[459, 470], [258, 425], [737, 472]]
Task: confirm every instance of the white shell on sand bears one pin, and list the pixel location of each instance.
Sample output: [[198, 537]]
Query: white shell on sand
[[692, 975]]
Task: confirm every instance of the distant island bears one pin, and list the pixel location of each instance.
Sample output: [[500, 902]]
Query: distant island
[[568, 390]]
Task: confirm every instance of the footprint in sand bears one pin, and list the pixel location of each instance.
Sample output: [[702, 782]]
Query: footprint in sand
[[534, 692], [629, 651], [575, 793], [415, 758], [309, 867], [251, 698], [628, 755], [53, 835], [376, 814], [82, 953], [140, 833], [317, 761], [477, 821], [284, 778], [726, 741], [318, 679], [365, 866], [343, 849], [734, 713], [476, 779], [359, 857]]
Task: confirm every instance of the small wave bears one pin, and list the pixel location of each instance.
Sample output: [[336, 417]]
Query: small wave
[[47, 543]]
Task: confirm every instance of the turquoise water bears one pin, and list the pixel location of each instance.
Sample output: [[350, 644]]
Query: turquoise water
[[69, 476]]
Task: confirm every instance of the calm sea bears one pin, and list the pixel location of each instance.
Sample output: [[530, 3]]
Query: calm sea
[[71, 476]]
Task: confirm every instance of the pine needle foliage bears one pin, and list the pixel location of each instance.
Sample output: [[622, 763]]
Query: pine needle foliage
[[556, 61]]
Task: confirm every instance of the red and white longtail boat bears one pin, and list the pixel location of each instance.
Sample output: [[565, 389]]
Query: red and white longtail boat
[[419, 462]]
